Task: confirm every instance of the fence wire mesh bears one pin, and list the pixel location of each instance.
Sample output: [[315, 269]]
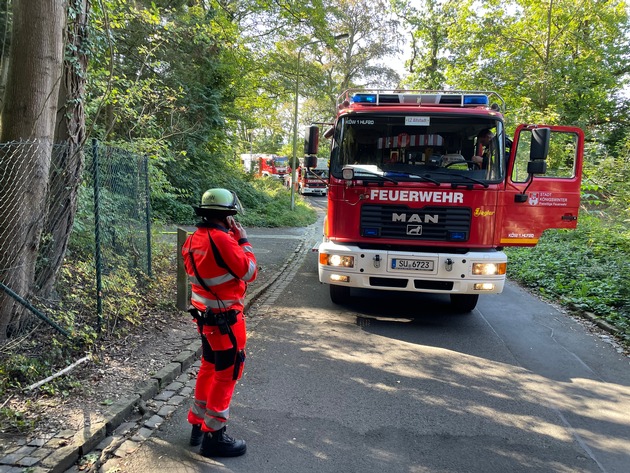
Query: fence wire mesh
[[41, 185]]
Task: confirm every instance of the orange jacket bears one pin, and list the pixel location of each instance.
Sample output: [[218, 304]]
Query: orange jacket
[[227, 284]]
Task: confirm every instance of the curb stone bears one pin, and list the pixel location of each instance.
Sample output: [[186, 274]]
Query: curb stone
[[599, 322], [116, 436]]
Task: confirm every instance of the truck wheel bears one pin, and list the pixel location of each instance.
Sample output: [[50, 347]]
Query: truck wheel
[[339, 294], [464, 302]]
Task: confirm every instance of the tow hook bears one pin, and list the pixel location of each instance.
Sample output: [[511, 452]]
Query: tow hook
[[377, 261], [448, 264]]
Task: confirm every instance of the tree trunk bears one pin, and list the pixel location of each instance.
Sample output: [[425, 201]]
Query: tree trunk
[[67, 158], [5, 22], [28, 113]]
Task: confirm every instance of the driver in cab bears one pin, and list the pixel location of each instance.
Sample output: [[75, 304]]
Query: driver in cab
[[483, 148]]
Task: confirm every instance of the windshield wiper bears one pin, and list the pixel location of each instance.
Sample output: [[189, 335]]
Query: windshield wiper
[[471, 179], [414, 176], [455, 184], [359, 172]]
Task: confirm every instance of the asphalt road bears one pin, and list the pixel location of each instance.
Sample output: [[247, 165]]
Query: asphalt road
[[399, 383]]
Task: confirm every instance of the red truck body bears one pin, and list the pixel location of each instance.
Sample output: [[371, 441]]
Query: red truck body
[[409, 208]]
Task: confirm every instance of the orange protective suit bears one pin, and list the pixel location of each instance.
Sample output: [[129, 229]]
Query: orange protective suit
[[225, 266]]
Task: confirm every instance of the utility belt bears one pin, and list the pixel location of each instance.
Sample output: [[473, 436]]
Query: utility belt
[[223, 319]]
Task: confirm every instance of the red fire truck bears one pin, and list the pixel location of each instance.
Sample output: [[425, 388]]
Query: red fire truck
[[313, 180], [270, 165], [418, 201]]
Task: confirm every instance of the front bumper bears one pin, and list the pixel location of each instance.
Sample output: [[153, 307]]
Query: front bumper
[[448, 273], [316, 190]]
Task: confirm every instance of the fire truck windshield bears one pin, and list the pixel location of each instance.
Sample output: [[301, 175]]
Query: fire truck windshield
[[323, 173], [444, 147], [280, 161]]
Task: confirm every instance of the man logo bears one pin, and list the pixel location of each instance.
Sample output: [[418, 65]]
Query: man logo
[[533, 198], [414, 230]]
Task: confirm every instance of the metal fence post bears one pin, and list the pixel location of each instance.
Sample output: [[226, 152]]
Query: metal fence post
[[148, 213], [183, 294], [97, 237]]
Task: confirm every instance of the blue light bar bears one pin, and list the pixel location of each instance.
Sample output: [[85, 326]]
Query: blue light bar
[[364, 98], [476, 100]]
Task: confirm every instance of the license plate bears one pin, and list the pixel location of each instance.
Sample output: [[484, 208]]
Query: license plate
[[412, 264]]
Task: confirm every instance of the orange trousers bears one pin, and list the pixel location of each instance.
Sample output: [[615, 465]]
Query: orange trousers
[[221, 367]]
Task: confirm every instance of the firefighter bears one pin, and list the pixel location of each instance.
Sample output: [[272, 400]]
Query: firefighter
[[219, 262], [484, 148]]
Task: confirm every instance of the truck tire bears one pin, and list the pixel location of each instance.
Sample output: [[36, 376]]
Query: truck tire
[[339, 294], [464, 302]]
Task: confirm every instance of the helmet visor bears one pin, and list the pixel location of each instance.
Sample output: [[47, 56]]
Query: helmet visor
[[237, 204]]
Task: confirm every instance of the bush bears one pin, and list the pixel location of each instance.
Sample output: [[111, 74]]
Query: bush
[[272, 206], [267, 203]]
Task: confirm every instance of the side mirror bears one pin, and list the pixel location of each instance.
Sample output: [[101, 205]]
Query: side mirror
[[540, 144], [347, 174], [311, 140], [538, 151], [310, 161], [537, 167]]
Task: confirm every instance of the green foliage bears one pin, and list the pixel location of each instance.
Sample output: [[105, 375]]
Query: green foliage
[[19, 369], [553, 62], [586, 268], [13, 421], [606, 185], [270, 206], [430, 38], [122, 292]]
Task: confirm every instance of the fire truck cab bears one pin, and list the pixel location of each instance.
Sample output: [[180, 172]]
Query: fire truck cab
[[313, 180], [273, 166], [419, 201]]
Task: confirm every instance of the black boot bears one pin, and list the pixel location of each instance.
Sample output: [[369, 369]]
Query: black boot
[[196, 435], [220, 444]]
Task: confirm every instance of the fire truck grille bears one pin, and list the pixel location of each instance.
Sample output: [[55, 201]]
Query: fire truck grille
[[424, 224]]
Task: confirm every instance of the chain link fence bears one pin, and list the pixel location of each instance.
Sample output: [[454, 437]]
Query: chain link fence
[[41, 185]]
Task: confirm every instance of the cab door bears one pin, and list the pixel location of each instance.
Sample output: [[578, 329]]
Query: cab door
[[541, 191]]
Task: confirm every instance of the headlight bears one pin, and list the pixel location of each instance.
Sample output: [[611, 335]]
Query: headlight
[[488, 269], [336, 260]]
